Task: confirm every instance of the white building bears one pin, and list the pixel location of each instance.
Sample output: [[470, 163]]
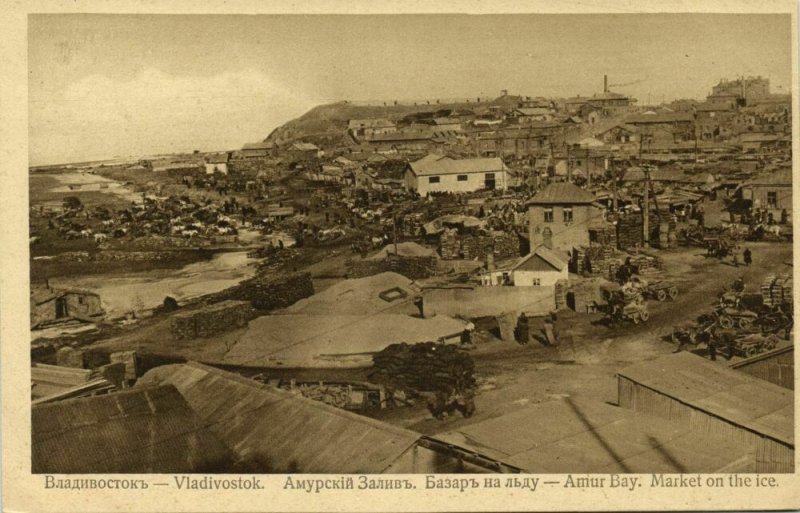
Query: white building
[[542, 268], [439, 173], [217, 163]]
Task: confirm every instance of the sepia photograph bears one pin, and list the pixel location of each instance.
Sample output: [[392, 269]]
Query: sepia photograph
[[533, 243]]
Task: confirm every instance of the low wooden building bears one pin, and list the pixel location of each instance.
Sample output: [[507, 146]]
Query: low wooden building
[[770, 191], [776, 366], [440, 173], [710, 398], [49, 305]]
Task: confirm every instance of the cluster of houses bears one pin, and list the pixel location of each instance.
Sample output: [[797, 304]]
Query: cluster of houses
[[575, 158]]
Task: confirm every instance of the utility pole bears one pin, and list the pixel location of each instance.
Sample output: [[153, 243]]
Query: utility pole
[[613, 185], [394, 234], [569, 165], [589, 169], [694, 166], [646, 210]]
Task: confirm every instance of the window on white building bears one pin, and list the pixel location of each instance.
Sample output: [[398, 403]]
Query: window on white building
[[433, 179], [536, 282], [462, 178], [567, 214], [772, 199], [548, 215]]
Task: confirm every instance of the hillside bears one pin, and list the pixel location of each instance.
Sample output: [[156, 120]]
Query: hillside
[[330, 119]]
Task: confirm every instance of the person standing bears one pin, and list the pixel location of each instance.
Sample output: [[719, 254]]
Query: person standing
[[748, 257], [731, 345], [550, 331], [712, 349]]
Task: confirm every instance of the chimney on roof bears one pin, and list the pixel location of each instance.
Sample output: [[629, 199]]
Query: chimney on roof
[[605, 83]]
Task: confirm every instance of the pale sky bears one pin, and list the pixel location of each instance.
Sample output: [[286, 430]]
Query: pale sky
[[117, 85]]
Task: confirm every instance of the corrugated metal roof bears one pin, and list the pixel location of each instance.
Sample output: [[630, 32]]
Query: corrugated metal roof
[[142, 430], [284, 431], [573, 435], [561, 193], [736, 397], [443, 165]]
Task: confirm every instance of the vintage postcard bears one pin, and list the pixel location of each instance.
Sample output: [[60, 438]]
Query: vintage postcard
[[317, 257]]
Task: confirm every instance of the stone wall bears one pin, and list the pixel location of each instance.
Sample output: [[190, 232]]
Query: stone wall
[[268, 292], [112, 256], [413, 267], [210, 320]]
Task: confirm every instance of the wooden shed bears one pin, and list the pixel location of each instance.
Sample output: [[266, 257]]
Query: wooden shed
[[711, 398]]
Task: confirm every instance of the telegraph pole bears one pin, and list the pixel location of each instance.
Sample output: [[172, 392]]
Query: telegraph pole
[[589, 169], [646, 210], [569, 165], [394, 233], [613, 184]]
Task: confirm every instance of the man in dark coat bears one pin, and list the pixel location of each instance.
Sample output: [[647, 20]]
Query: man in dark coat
[[747, 256]]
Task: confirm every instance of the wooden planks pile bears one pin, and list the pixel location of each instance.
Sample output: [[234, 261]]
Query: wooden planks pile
[[601, 259], [52, 382], [210, 320], [424, 367], [777, 290], [630, 230], [561, 289]]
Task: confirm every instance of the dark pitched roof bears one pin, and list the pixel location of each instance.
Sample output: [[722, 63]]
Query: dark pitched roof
[[290, 432], [543, 259], [781, 177], [562, 192], [143, 430], [217, 158], [712, 107], [660, 117]]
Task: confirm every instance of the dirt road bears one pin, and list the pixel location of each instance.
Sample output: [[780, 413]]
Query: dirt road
[[512, 376]]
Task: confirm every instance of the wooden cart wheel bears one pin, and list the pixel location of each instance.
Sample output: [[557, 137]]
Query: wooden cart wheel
[[673, 292], [725, 322], [661, 295], [644, 315], [745, 323]]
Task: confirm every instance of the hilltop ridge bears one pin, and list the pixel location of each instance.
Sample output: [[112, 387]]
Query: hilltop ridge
[[331, 119]]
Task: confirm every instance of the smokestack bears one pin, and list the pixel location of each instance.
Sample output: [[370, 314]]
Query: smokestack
[[605, 83]]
